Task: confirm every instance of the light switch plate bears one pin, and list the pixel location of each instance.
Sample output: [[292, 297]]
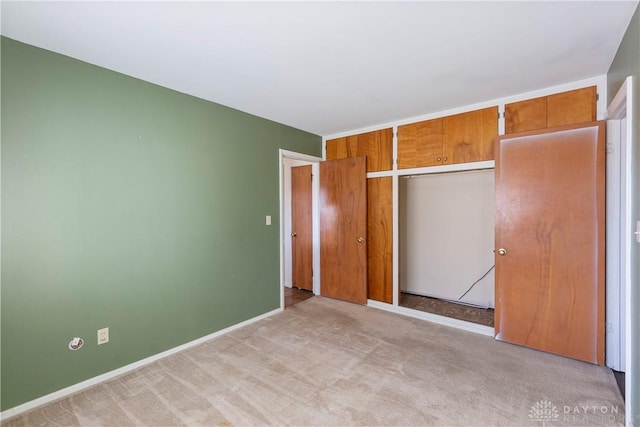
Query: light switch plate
[[268, 219]]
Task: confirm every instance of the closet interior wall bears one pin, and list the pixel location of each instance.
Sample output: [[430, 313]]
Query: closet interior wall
[[446, 235]]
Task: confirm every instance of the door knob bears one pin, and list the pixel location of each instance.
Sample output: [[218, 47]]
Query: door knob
[[293, 234], [360, 239], [502, 251]]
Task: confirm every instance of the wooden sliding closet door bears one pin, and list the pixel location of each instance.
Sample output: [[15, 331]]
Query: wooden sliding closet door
[[343, 229], [301, 228], [550, 193]]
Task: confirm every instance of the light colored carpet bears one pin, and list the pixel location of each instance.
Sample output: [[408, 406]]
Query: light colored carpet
[[326, 362]]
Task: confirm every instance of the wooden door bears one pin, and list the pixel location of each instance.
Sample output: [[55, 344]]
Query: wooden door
[[380, 239], [550, 224], [343, 229], [301, 228]]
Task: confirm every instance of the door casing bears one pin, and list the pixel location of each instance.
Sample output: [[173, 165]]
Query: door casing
[[622, 292]]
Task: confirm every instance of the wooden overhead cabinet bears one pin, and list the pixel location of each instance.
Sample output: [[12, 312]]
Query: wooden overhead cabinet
[[460, 138], [561, 109], [470, 137], [420, 144], [376, 146]]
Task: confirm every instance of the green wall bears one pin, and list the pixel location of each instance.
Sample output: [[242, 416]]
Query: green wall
[[627, 63], [130, 206]]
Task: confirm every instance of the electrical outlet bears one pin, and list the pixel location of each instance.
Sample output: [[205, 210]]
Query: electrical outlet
[[103, 336]]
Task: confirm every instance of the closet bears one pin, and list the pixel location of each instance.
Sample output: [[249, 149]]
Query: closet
[[431, 211], [447, 236], [446, 224]]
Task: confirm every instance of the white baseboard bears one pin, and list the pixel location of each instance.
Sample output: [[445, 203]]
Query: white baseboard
[[434, 318], [56, 395]]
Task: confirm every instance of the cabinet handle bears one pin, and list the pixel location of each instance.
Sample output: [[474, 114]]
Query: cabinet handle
[[439, 159], [445, 158]]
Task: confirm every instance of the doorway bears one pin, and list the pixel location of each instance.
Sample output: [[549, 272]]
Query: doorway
[[288, 294], [622, 253], [301, 228]]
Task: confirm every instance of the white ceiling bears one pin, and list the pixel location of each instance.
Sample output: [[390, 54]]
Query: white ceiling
[[328, 67]]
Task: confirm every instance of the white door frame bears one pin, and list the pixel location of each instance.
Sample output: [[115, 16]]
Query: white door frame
[[617, 265], [315, 192], [621, 332]]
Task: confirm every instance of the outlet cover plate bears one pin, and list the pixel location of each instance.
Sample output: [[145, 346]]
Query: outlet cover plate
[[103, 336]]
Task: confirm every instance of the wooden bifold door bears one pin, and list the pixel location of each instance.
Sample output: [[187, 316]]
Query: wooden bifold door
[[550, 238]]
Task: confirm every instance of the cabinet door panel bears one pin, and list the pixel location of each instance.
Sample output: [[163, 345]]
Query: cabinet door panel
[[340, 148], [377, 146], [526, 115], [420, 144], [470, 137], [337, 149], [380, 238], [566, 108], [573, 107]]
